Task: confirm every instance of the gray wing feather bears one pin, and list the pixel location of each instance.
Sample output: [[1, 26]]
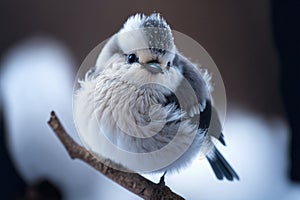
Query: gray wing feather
[[193, 76], [208, 112]]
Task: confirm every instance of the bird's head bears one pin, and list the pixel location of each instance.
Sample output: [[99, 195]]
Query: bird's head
[[148, 40], [142, 51]]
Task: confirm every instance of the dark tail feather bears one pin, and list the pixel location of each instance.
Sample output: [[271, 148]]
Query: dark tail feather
[[221, 139], [221, 167]]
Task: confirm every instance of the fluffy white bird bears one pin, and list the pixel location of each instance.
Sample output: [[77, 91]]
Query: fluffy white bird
[[147, 107]]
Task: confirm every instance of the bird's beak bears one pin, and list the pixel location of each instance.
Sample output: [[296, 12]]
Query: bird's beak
[[154, 68]]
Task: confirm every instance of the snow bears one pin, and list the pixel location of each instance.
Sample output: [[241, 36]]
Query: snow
[[37, 77]]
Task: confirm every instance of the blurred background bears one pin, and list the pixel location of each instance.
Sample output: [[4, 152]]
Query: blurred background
[[255, 45]]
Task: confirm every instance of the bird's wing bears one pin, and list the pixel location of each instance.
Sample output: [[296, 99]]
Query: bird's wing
[[215, 128], [194, 77], [209, 118]]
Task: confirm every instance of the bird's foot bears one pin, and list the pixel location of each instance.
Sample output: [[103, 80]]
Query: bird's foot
[[162, 179]]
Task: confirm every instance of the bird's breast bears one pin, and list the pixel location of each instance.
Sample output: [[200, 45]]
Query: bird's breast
[[134, 120], [126, 109]]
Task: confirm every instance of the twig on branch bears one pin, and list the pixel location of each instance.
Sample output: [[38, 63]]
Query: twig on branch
[[133, 182]]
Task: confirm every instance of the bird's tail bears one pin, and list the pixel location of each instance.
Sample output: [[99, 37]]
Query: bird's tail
[[220, 166]]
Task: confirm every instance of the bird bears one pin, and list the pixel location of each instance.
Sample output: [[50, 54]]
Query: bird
[[145, 107]]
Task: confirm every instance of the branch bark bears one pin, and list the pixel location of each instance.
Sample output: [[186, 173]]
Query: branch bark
[[133, 182]]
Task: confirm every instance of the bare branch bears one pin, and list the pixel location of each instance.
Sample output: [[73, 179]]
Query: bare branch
[[133, 182]]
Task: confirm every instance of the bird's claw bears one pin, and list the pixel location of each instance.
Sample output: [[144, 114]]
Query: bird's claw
[[162, 179]]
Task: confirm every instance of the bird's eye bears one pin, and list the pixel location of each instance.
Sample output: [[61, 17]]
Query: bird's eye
[[132, 58], [168, 64]]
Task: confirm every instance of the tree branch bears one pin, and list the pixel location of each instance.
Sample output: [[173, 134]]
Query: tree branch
[[133, 182]]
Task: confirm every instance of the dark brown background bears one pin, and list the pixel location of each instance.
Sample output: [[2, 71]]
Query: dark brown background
[[237, 34]]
